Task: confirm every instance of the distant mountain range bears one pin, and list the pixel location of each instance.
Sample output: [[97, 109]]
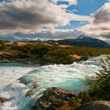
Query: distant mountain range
[[70, 38], [86, 41]]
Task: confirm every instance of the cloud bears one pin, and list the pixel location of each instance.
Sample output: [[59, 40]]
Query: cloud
[[100, 23], [103, 14], [32, 15], [73, 2]]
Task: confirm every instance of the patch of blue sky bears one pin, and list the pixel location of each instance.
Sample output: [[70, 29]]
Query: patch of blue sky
[[60, 2], [86, 7], [73, 24]]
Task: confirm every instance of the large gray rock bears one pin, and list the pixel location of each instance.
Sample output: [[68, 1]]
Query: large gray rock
[[97, 105]]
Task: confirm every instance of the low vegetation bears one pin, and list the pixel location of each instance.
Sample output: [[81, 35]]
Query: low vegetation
[[46, 53], [100, 89]]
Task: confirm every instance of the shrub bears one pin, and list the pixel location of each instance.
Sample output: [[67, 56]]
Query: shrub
[[101, 87]]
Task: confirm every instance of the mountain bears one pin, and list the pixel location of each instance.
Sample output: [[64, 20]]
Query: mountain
[[83, 40], [70, 38]]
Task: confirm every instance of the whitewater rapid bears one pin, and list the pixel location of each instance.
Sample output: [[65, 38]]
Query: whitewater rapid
[[71, 77]]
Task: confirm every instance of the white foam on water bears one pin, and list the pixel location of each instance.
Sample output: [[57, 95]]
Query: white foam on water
[[9, 74]]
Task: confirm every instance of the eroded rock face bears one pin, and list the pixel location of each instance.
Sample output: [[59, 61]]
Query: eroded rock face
[[56, 99], [97, 105]]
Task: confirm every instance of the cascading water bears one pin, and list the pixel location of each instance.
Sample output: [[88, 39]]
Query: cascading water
[[70, 77]]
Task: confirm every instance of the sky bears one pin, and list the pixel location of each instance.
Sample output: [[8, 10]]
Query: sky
[[26, 16]]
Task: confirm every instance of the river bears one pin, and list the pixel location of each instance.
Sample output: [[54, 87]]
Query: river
[[17, 79]]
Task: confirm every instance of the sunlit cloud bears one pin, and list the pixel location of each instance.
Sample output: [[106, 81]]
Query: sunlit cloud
[[72, 2], [100, 23]]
